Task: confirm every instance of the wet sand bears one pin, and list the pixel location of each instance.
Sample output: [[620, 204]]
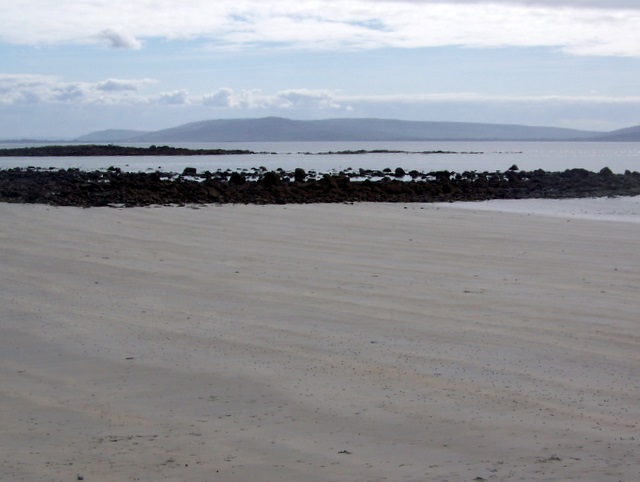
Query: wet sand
[[319, 343]]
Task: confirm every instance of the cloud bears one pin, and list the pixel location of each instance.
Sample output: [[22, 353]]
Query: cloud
[[291, 99], [120, 40], [22, 88], [319, 100], [220, 98], [609, 4], [115, 85], [580, 27], [69, 92], [177, 97], [306, 98]]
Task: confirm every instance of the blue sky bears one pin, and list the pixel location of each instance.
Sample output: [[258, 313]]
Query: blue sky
[[75, 66]]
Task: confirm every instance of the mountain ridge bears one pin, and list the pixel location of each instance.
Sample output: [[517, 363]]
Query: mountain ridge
[[628, 134], [279, 129]]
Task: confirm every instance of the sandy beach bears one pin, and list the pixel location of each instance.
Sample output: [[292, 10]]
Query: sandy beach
[[361, 342]]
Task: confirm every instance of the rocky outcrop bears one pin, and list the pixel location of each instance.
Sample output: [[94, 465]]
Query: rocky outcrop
[[113, 187]]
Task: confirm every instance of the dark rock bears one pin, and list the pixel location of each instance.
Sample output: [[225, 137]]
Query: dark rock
[[270, 179], [299, 175], [72, 187], [606, 172], [237, 179]]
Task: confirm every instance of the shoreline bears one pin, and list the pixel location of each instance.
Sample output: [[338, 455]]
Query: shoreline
[[112, 186], [609, 208]]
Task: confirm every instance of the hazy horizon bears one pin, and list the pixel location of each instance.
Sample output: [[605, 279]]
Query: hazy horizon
[[388, 125]]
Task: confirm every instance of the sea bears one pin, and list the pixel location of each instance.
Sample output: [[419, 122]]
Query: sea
[[332, 157]]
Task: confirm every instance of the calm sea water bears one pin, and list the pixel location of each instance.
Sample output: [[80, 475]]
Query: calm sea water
[[468, 156]]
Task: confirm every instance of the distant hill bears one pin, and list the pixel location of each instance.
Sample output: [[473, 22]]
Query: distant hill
[[275, 129], [110, 135], [630, 134]]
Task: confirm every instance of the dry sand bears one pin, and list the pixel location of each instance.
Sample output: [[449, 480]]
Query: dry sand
[[317, 343]]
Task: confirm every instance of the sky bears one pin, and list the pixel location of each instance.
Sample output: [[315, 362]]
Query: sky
[[70, 67]]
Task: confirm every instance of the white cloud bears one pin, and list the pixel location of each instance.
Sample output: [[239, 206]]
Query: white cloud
[[16, 89], [24, 88], [177, 97], [70, 92], [583, 27], [306, 98], [21, 89], [220, 98], [120, 40], [131, 85], [290, 99], [315, 100], [618, 4], [243, 99]]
